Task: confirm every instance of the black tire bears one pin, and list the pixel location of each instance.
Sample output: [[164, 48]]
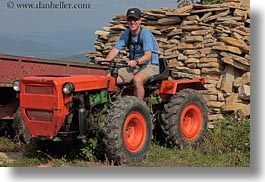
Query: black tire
[[185, 118], [127, 131], [20, 129]]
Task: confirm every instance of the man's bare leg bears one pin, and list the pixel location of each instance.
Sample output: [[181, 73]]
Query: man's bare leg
[[139, 80]]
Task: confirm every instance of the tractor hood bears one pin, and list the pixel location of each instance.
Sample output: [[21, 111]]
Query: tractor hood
[[43, 104]]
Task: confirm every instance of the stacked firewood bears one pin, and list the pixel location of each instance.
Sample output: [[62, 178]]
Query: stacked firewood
[[210, 41]]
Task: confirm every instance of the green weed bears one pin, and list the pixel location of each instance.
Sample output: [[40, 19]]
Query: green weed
[[230, 138]]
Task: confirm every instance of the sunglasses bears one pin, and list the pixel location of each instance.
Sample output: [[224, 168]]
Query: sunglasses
[[132, 19]]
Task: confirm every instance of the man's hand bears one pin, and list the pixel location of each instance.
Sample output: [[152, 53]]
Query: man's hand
[[132, 63]]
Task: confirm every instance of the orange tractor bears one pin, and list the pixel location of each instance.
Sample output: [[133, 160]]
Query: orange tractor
[[68, 107]]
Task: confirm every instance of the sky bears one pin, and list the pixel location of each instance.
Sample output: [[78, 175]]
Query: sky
[[100, 12], [71, 30]]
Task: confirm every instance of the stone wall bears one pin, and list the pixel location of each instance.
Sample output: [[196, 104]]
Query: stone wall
[[210, 41]]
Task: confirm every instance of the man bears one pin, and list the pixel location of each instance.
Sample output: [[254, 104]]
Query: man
[[143, 61]]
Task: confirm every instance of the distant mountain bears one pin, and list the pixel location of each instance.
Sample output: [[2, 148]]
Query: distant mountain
[[28, 48], [48, 45]]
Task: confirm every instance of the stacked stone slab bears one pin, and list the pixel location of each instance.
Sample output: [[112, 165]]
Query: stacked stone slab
[[210, 41]]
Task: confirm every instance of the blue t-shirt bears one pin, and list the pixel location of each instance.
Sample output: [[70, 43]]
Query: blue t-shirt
[[147, 43]]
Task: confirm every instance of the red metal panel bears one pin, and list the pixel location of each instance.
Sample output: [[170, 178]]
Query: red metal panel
[[17, 67], [181, 84], [7, 111], [76, 70], [8, 72], [37, 68]]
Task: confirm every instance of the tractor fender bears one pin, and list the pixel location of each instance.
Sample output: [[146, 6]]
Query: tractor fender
[[170, 87]]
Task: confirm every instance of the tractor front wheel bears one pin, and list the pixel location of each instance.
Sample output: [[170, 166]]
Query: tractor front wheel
[[127, 130], [20, 128]]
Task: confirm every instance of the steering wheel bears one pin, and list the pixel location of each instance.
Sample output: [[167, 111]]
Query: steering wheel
[[113, 64]]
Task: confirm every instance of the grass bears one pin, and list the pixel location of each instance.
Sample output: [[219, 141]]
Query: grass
[[227, 145]]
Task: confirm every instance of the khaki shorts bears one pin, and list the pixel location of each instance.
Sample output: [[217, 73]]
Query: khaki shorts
[[127, 74]]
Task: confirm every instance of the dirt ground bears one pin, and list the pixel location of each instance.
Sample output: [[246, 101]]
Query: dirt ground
[[10, 156]]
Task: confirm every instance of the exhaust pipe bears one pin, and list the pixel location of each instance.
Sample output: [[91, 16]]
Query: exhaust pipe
[[82, 120]]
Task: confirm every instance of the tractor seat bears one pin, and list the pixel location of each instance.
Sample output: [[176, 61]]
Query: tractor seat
[[163, 72]]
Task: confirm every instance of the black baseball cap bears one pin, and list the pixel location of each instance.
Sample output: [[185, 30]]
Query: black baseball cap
[[134, 12]]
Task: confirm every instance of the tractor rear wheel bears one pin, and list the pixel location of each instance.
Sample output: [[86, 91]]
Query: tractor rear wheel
[[127, 131], [185, 118]]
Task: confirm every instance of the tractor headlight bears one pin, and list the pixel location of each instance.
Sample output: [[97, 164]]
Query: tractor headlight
[[16, 85], [68, 88]]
